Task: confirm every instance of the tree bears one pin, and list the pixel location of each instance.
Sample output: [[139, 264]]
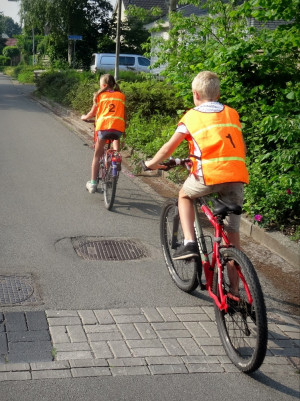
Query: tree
[[61, 18]]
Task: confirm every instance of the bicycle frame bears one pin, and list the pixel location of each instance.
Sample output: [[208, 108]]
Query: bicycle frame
[[208, 266]]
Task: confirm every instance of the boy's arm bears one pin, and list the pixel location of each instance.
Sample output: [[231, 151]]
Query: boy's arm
[[165, 151]]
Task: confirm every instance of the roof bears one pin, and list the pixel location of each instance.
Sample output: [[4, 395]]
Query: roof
[[11, 42]]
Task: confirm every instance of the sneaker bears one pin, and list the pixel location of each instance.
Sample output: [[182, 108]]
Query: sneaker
[[91, 187], [190, 250]]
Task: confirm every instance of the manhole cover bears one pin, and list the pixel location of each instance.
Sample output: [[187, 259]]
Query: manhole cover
[[16, 290], [99, 249]]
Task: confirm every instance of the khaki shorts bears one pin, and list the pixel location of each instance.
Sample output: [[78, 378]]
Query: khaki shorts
[[193, 187]]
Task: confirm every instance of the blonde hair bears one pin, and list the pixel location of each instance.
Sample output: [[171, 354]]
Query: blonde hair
[[108, 80], [207, 85]]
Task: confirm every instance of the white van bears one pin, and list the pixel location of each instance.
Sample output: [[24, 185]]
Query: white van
[[127, 62]]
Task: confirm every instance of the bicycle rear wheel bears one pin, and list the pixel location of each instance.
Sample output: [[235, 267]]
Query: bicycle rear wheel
[[183, 273], [109, 188], [243, 329]]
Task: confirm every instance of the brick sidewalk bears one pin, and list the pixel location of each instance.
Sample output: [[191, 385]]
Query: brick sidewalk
[[133, 341]]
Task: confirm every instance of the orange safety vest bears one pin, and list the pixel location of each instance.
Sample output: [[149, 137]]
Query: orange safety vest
[[216, 146], [110, 113]]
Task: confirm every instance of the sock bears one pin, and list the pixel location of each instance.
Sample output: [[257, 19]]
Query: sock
[[93, 182], [187, 241]]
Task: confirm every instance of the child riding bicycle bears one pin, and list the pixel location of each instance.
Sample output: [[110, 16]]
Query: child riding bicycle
[[109, 110], [217, 151]]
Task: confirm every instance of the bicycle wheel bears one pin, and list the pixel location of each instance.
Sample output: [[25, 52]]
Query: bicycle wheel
[[243, 329], [183, 272], [109, 188]]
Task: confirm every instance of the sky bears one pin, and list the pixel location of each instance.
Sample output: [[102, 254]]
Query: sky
[[10, 9]]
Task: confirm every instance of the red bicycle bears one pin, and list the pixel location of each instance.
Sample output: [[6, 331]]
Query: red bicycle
[[241, 320]]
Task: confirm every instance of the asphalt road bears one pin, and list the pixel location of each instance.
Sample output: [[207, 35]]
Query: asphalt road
[[44, 208]]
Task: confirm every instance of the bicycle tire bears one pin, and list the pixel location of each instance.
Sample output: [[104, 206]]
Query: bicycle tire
[[184, 273], [243, 329], [109, 188]]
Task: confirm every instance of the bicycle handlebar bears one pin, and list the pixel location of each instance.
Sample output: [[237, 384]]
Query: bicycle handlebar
[[89, 121], [171, 163]]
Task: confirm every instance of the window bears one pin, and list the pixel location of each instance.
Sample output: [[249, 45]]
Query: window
[[126, 60], [143, 61], [108, 60]]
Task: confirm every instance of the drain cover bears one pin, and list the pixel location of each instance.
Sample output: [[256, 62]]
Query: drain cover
[[16, 290], [99, 249]]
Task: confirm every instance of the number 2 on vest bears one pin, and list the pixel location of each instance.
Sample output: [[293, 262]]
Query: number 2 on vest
[[112, 108], [229, 137]]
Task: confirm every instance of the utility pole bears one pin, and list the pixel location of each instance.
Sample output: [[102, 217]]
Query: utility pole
[[118, 40]]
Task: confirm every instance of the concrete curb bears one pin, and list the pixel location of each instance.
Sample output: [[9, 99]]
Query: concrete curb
[[274, 241]]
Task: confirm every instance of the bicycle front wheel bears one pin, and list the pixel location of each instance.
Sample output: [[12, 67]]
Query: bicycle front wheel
[[243, 328], [183, 272], [109, 188]]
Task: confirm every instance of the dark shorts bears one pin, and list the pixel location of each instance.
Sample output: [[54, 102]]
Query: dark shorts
[[109, 134]]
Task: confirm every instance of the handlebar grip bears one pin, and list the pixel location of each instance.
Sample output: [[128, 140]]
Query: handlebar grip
[[144, 167]]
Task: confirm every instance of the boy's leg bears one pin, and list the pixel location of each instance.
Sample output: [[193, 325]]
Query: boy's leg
[[116, 145], [187, 216]]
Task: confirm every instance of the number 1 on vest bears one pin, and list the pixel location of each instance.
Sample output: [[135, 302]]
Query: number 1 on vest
[[229, 137]]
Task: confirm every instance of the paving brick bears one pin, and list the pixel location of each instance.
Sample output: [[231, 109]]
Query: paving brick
[[190, 346], [14, 367], [207, 341], [173, 333], [2, 327], [127, 362], [96, 337], [154, 343], [125, 311], [61, 313], [15, 376], [195, 329], [87, 363], [54, 365], [144, 352], [119, 349], [167, 369], [188, 310], [15, 321], [36, 320], [29, 351], [205, 368], [87, 317], [164, 360], [101, 349], [28, 336], [91, 372], [172, 346], [194, 359], [210, 328], [64, 321], [68, 347], [104, 317], [152, 315], [167, 314], [213, 350], [145, 330], [130, 318], [190, 317], [76, 334], [67, 356], [129, 332], [51, 374], [59, 334], [129, 370], [99, 328], [168, 326]]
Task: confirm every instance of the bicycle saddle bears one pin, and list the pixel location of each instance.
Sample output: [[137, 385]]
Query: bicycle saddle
[[222, 208]]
